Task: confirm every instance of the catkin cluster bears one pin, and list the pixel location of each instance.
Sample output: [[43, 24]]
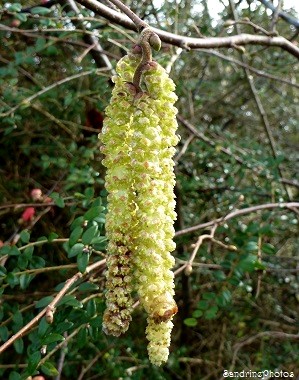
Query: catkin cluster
[[139, 139]]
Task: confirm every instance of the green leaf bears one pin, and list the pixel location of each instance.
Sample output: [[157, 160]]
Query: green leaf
[[219, 275], [203, 305], [17, 7], [75, 235], [89, 192], [4, 334], [82, 337], [251, 246], [40, 11], [25, 279], [209, 296], [21, 16], [82, 261], [23, 262], [3, 271], [43, 327], [98, 240], [91, 308], [211, 312], [269, 249], [89, 234], [51, 338], [191, 322], [14, 251], [25, 236], [14, 376], [19, 345], [57, 200], [87, 286], [93, 212], [52, 236], [197, 313], [33, 361], [70, 300], [76, 250], [44, 302], [49, 369]]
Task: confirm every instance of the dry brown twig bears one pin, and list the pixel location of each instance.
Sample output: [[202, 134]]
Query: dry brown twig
[[49, 310]]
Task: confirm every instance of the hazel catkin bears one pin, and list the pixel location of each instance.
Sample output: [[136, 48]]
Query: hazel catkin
[[139, 139]]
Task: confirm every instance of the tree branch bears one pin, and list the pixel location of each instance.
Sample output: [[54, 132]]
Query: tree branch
[[290, 19], [190, 42], [51, 307], [235, 213]]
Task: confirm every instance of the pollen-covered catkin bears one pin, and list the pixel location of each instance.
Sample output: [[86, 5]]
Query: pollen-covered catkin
[[116, 139], [139, 139]]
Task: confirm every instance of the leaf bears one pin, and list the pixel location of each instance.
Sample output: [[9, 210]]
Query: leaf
[[44, 302], [21, 16], [17, 7], [268, 249], [89, 234], [75, 235], [76, 250], [197, 313], [191, 322], [93, 212], [14, 376], [40, 11], [51, 338], [33, 361], [70, 300], [49, 369], [25, 279], [19, 345], [82, 261], [52, 236], [211, 312], [251, 246], [57, 200], [14, 251], [87, 286], [202, 305], [4, 334], [25, 236]]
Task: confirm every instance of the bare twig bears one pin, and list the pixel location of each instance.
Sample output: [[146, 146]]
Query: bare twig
[[52, 305], [286, 17], [269, 334], [27, 101], [189, 42], [236, 213]]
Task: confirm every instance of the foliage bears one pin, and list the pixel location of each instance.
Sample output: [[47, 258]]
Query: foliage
[[244, 278]]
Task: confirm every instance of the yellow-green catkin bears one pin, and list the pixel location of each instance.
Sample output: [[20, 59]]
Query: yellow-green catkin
[[116, 139], [139, 139]]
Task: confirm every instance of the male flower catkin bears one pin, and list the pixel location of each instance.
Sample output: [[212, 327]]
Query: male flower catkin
[[139, 137], [120, 217]]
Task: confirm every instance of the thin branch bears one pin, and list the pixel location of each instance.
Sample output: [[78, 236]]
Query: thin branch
[[286, 17], [250, 68], [52, 305], [140, 24], [236, 213], [259, 104], [27, 101], [190, 42], [269, 334]]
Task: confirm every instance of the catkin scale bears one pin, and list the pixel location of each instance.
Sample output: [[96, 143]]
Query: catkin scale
[[139, 139]]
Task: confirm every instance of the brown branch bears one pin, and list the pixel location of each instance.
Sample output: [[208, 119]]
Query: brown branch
[[236, 213], [190, 42], [51, 307]]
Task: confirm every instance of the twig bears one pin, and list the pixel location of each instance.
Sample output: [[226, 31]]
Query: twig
[[48, 88], [190, 42], [250, 68], [259, 104], [52, 305], [270, 334], [140, 24], [236, 213], [286, 17]]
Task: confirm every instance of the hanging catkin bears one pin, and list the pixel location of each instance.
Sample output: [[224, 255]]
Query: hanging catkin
[[139, 139]]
